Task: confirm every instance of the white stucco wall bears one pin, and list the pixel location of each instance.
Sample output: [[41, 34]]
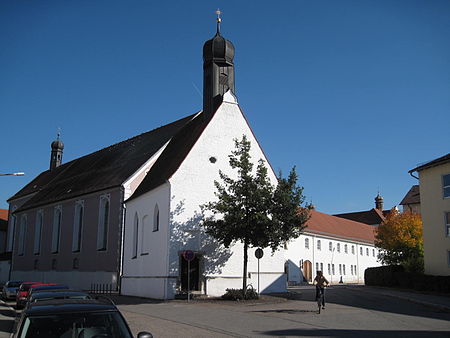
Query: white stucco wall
[[193, 185], [297, 253], [146, 275]]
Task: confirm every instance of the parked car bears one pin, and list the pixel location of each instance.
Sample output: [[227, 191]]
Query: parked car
[[46, 287], [45, 295], [10, 289], [22, 293], [81, 318]]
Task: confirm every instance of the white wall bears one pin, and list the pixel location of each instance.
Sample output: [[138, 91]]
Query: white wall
[[297, 253], [193, 185], [146, 275]]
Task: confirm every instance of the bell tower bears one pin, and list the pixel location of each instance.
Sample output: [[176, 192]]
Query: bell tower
[[57, 152], [218, 70]]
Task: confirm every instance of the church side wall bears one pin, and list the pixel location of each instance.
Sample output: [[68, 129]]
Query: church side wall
[[193, 185], [77, 269], [145, 255]]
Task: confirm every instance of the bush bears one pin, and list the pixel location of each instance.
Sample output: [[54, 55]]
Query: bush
[[396, 276], [237, 294]]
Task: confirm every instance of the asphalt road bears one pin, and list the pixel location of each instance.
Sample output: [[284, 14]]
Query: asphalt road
[[350, 312]]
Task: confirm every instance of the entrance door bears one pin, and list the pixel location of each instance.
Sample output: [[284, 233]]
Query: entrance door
[[307, 271], [194, 274]]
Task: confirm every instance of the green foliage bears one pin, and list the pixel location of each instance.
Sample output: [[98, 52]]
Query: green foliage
[[250, 210], [237, 294]]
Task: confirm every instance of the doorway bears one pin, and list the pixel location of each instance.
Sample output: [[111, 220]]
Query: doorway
[[307, 271], [194, 274]]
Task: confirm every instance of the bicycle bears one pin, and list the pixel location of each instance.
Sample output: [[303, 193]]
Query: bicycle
[[320, 299]]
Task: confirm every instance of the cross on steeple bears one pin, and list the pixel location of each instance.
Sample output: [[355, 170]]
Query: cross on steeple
[[219, 20]]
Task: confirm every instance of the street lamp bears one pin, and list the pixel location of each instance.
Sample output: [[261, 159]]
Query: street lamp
[[13, 174]]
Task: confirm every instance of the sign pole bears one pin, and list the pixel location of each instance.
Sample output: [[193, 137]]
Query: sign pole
[[189, 279], [258, 276], [259, 253]]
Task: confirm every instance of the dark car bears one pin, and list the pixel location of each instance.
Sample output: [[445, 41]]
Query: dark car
[[40, 296], [67, 318], [10, 289], [46, 287]]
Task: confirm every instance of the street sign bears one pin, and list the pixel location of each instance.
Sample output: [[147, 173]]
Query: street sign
[[188, 255], [259, 253]]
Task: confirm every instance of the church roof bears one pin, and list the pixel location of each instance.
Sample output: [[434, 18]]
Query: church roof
[[111, 166], [412, 196], [328, 225], [371, 217]]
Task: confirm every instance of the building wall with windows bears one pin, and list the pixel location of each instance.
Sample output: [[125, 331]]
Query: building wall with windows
[[340, 248], [435, 209], [69, 240]]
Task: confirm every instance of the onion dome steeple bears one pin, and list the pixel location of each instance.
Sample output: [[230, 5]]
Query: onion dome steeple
[[379, 202], [218, 69], [56, 154]]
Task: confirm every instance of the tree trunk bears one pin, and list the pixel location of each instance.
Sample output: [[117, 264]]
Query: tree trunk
[[244, 277]]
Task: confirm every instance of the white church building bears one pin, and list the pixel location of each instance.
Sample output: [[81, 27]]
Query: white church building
[[126, 215]]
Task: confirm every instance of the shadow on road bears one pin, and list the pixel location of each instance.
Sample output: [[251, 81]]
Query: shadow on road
[[357, 297], [351, 333]]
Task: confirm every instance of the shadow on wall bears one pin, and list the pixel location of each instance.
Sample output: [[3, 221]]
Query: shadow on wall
[[294, 273], [189, 235]]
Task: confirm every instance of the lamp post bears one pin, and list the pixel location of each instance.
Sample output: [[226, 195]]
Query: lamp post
[[13, 174]]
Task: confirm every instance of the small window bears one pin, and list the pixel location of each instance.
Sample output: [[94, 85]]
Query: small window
[[56, 231], [447, 224], [22, 235], [345, 248], [317, 266], [373, 252], [38, 232], [332, 269], [353, 249], [321, 267], [343, 269], [360, 251], [329, 269], [319, 245], [338, 247], [446, 185], [103, 223], [306, 243], [156, 218], [330, 246], [340, 269], [351, 270], [367, 251], [77, 226], [145, 237], [135, 235]]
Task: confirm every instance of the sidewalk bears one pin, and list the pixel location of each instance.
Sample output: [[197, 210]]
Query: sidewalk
[[441, 302]]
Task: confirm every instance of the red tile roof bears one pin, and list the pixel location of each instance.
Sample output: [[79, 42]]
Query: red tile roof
[[4, 214], [328, 225]]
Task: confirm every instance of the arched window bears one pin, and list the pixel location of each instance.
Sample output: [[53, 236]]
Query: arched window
[[103, 223], [56, 231], [11, 230], [135, 235], [156, 218], [77, 226], [38, 232], [145, 240], [22, 235]]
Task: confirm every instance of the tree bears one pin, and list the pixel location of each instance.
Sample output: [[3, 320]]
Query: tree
[[250, 210], [400, 239]]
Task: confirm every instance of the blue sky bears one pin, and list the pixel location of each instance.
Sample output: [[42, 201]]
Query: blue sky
[[352, 93]]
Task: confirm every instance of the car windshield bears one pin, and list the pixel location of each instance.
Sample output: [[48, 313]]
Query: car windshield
[[75, 325], [13, 284]]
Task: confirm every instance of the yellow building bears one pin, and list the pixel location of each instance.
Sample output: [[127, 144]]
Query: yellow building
[[434, 180]]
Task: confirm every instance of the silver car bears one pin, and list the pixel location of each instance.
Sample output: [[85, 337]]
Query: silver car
[[10, 289]]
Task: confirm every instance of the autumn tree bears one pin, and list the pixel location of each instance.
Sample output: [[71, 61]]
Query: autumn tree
[[250, 210], [400, 239]]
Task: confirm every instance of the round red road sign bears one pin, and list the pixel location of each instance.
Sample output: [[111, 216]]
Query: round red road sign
[[188, 255]]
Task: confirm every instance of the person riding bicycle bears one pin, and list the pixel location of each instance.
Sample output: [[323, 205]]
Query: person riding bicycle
[[320, 282]]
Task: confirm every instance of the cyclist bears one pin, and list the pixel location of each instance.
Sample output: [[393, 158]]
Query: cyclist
[[320, 282]]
